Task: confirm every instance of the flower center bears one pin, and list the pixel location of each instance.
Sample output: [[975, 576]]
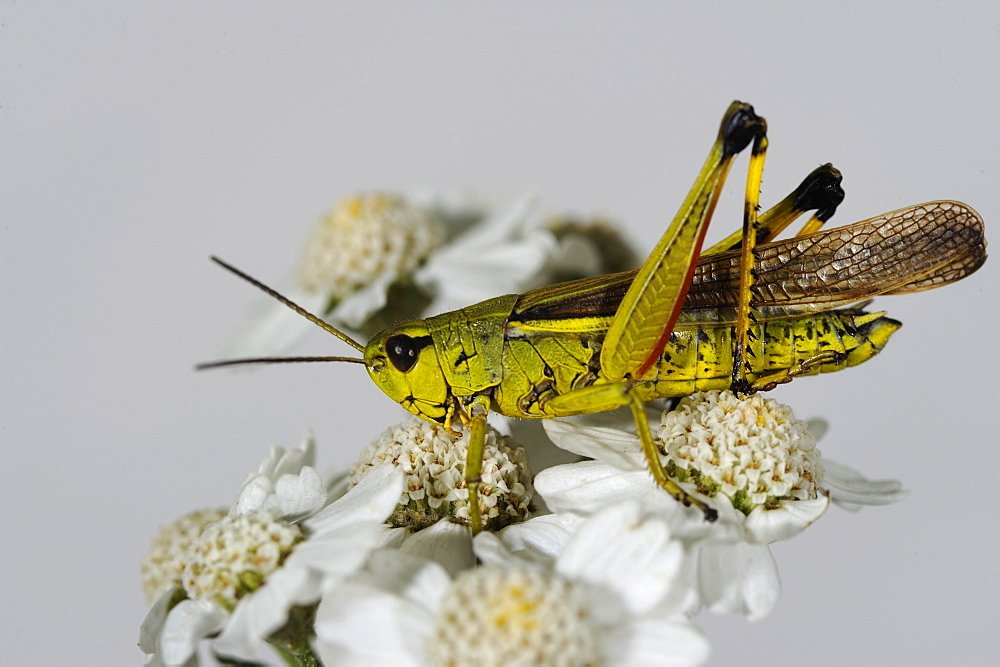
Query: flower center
[[232, 557], [513, 616], [365, 237], [163, 564], [751, 449], [433, 461]]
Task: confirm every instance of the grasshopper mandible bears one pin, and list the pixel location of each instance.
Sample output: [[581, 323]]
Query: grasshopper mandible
[[742, 316]]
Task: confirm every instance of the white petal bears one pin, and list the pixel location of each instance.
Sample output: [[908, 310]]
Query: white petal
[[362, 625], [279, 328], [683, 599], [491, 551], [511, 262], [292, 461], [588, 486], [354, 309], [765, 526], [157, 661], [612, 446], [446, 543], [253, 495], [737, 578], [656, 640], [338, 484], [270, 462], [152, 625], [485, 273], [530, 435], [338, 552], [546, 535], [848, 486], [459, 209], [300, 495], [499, 254], [187, 624], [621, 551], [258, 615], [373, 499], [421, 581], [818, 427], [689, 523], [498, 227]]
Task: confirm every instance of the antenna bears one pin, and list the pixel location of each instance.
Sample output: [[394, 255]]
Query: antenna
[[326, 326], [272, 360], [294, 306]]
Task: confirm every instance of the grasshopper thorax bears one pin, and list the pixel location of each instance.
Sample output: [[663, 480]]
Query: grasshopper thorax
[[402, 361]]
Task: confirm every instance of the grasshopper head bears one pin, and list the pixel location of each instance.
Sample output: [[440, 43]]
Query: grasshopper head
[[402, 361]]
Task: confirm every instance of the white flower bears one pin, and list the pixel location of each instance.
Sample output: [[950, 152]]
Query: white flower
[[433, 461], [757, 462], [503, 251], [378, 258], [600, 600], [163, 564], [367, 238], [286, 484], [268, 558]]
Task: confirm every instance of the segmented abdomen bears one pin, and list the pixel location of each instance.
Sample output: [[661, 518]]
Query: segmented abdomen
[[701, 358], [696, 358]]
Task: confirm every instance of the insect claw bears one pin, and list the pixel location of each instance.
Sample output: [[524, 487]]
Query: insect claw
[[741, 126], [821, 190]]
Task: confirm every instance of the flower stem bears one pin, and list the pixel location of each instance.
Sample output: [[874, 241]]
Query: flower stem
[[293, 640]]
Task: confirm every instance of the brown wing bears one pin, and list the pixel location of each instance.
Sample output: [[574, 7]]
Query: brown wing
[[909, 250]]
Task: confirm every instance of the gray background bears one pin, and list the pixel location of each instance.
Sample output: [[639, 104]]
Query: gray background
[[138, 138]]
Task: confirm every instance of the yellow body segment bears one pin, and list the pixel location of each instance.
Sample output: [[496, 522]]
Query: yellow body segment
[[540, 366]]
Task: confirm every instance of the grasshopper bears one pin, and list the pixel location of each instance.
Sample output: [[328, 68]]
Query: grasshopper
[[747, 314]]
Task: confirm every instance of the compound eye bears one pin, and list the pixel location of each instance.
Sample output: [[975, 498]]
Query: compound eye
[[403, 350]]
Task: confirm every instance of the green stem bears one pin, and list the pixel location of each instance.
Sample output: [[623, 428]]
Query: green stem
[[293, 640]]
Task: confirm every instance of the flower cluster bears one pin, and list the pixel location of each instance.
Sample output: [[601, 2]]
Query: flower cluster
[[433, 462], [378, 258], [614, 571], [579, 563]]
